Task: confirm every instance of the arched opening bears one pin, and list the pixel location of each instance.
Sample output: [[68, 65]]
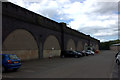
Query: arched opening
[[94, 47], [51, 47], [85, 46], [80, 46], [21, 43], [91, 47], [97, 47], [71, 45]]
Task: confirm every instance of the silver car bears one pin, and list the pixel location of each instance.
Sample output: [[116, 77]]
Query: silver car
[[90, 52]]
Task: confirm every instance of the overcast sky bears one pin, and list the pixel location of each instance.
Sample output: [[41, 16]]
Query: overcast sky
[[97, 19]]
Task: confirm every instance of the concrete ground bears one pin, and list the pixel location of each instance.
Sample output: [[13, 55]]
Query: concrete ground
[[97, 66], [119, 72], [116, 71]]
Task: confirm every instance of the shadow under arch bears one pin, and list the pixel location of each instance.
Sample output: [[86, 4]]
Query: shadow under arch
[[51, 47], [22, 43]]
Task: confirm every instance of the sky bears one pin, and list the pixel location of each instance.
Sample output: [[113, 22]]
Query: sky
[[99, 19]]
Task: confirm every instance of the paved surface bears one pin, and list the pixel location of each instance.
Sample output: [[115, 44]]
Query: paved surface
[[98, 66], [119, 72], [116, 71]]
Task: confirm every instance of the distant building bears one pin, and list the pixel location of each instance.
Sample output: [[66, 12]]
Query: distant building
[[115, 47]]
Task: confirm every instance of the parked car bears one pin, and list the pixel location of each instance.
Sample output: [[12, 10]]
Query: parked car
[[83, 54], [70, 54], [10, 62], [118, 58], [79, 53], [117, 54], [97, 51], [90, 52], [86, 54]]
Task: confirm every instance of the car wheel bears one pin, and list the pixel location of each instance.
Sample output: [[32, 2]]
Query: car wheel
[[76, 56], [118, 62], [3, 69], [62, 56]]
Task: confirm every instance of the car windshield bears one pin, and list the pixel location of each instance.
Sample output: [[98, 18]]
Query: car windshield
[[13, 57]]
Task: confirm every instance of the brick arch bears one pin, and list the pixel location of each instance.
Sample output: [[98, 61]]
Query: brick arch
[[97, 47], [22, 43], [51, 46], [71, 45], [85, 46], [79, 46], [93, 46]]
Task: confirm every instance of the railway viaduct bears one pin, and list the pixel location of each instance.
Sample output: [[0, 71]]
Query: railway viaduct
[[32, 36]]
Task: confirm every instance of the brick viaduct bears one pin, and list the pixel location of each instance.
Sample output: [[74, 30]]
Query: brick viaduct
[[32, 36]]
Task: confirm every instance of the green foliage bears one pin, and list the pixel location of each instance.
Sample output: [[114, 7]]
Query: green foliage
[[39, 19], [106, 45]]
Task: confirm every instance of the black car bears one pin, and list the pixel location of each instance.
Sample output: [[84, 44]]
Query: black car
[[70, 54]]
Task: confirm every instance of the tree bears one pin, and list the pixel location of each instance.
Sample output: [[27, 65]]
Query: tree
[[106, 45]]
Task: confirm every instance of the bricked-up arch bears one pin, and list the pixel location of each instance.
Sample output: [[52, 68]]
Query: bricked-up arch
[[79, 46], [85, 46], [21, 43], [97, 47], [71, 45], [94, 47], [51, 47]]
